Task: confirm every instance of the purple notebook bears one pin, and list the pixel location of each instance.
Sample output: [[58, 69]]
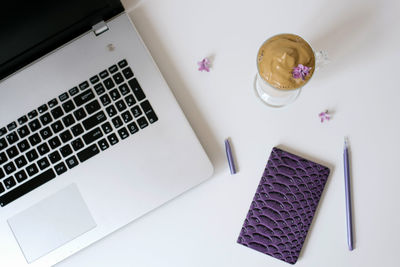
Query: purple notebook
[[283, 206]]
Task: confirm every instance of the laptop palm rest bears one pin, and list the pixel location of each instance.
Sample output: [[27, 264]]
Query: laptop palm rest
[[51, 223]]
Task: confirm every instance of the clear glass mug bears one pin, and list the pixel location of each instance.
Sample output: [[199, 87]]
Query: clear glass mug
[[275, 97]]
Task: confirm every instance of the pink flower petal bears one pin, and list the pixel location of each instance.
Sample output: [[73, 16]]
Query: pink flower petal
[[204, 65]]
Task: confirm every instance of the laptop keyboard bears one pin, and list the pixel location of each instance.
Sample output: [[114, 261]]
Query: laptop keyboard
[[71, 129]]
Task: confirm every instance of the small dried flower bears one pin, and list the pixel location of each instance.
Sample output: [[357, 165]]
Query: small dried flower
[[301, 71], [204, 65], [324, 116]]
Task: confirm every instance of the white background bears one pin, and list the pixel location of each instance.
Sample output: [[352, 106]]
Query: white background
[[361, 87]]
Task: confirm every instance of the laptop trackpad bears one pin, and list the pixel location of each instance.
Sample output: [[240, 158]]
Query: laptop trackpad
[[51, 223]]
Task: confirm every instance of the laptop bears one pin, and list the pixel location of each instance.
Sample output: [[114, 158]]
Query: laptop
[[91, 137]]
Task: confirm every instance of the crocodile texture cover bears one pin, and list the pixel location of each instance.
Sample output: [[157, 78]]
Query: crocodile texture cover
[[283, 206]]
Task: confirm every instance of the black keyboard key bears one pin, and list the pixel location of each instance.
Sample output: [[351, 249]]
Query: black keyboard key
[[113, 68], [136, 111], [106, 127], [9, 168], [94, 120], [111, 111], [45, 133], [80, 114], [34, 139], [142, 122], [92, 107], [3, 143], [108, 83], [68, 120], [27, 187], [46, 119], [23, 131], [9, 182], [99, 88], [34, 125], [103, 74], [57, 112], [32, 114], [43, 163], [55, 156], [123, 63], [103, 144], [88, 152], [12, 138], [94, 79], [1, 190], [66, 150], [12, 152], [23, 146], [105, 100], [117, 122], [3, 158], [31, 155], [77, 129], [43, 149], [22, 120], [115, 95], [137, 90], [54, 142], [57, 127], [72, 162], [148, 111], [126, 116], [20, 176], [3, 131], [2, 174], [63, 97], [73, 91], [65, 136], [77, 144], [112, 138], [69, 105], [32, 169], [128, 73], [118, 78], [60, 168], [52, 103], [42, 108], [12, 126], [84, 85], [84, 97], [123, 133], [92, 136], [120, 105], [124, 89], [20, 161]]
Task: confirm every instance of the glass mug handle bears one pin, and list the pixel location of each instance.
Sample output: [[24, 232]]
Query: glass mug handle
[[321, 59]]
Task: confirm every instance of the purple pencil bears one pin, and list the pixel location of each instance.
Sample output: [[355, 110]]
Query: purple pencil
[[348, 195], [229, 156]]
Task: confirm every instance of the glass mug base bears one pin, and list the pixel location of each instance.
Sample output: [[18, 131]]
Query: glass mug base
[[274, 97]]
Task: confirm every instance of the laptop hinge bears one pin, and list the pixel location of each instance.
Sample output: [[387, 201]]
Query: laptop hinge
[[99, 28]]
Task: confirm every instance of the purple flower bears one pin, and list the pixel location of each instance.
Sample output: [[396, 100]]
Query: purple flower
[[204, 65], [301, 71], [324, 116]]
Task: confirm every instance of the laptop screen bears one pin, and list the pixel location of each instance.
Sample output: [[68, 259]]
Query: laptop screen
[[30, 29]]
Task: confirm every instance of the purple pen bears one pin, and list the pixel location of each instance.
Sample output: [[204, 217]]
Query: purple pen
[[230, 157], [348, 195]]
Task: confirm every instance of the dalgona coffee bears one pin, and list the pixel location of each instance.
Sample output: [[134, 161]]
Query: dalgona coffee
[[279, 55]]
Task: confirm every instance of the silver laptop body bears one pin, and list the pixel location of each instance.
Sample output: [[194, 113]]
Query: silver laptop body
[[105, 191]]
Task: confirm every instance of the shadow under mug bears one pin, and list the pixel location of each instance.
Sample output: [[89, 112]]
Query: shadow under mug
[[275, 97]]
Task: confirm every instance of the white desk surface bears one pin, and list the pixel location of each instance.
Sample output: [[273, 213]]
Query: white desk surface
[[361, 86]]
